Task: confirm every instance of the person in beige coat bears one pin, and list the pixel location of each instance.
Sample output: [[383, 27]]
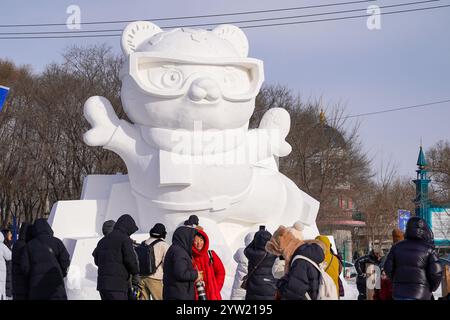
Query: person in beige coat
[[152, 285]]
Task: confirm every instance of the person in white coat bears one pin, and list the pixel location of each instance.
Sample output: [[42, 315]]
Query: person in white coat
[[237, 293], [5, 255]]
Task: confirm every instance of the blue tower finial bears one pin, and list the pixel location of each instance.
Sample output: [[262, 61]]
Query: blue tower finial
[[421, 162]]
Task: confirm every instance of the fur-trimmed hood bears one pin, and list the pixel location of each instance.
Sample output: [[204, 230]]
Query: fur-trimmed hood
[[284, 243]]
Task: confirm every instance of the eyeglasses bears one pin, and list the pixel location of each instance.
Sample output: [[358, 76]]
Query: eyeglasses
[[239, 79]]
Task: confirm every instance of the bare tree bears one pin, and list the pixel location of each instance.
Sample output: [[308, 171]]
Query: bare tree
[[388, 194], [327, 160], [438, 157], [43, 156]]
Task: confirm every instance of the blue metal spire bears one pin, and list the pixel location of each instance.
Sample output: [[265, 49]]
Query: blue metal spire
[[421, 162]]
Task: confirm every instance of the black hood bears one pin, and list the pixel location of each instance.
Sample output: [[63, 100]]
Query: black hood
[[184, 237], [257, 248], [260, 239], [312, 251], [126, 224], [418, 229], [25, 232], [108, 227], [41, 227]]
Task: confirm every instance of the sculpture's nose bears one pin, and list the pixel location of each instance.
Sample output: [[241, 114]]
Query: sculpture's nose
[[204, 88]]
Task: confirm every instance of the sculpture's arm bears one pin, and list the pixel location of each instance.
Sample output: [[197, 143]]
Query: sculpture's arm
[[269, 139], [108, 130]]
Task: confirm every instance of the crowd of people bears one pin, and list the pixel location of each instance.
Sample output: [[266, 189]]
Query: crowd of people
[[269, 267], [410, 271], [34, 267], [278, 266]]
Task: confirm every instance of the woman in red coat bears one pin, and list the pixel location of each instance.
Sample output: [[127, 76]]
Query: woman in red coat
[[207, 262]]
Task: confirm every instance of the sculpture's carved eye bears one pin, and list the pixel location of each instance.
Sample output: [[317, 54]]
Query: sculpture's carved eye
[[165, 77], [230, 79], [235, 79], [172, 78]]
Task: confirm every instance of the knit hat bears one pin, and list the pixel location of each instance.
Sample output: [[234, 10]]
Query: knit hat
[[158, 231], [193, 220], [397, 235], [108, 227], [297, 230]]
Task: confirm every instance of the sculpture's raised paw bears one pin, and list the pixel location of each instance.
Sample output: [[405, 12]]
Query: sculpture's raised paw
[[99, 112], [277, 122]]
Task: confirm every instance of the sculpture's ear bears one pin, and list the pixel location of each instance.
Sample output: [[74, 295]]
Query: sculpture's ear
[[235, 36], [136, 33]]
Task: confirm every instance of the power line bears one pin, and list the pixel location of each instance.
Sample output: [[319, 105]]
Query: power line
[[397, 109], [242, 27], [229, 22], [342, 18], [63, 37], [193, 17]]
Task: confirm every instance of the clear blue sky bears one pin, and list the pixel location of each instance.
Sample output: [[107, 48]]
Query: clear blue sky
[[405, 63]]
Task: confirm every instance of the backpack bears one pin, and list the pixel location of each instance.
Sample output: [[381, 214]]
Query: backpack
[[211, 257], [146, 257], [327, 288]]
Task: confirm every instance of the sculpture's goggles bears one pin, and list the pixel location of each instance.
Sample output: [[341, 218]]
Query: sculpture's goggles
[[239, 79]]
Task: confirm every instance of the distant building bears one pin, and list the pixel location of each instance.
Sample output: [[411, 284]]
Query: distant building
[[346, 228], [344, 221]]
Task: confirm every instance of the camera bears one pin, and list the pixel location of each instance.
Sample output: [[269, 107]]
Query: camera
[[201, 290]]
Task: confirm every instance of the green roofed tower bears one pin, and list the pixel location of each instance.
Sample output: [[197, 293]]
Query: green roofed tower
[[422, 203]]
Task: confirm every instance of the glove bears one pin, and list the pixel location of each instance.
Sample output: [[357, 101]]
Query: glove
[[135, 280]]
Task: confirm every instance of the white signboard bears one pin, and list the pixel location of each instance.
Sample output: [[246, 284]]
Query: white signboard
[[440, 222]]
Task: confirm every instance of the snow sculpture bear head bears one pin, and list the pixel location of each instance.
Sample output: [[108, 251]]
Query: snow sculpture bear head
[[172, 79]]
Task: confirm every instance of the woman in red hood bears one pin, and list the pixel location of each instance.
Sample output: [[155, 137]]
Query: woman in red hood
[[207, 261]]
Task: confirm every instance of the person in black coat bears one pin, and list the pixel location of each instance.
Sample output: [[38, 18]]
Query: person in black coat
[[179, 274], [261, 284], [45, 261], [374, 257], [117, 261], [19, 279], [303, 277], [413, 265]]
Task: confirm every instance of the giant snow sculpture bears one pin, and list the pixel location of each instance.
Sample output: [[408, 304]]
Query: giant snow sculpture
[[189, 94]]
